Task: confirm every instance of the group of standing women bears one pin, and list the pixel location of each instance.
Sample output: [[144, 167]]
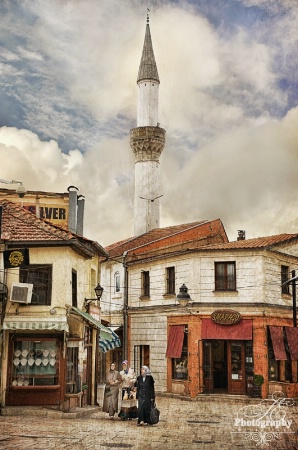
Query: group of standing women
[[135, 390]]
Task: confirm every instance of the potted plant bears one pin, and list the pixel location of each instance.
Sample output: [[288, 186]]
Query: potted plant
[[257, 385]]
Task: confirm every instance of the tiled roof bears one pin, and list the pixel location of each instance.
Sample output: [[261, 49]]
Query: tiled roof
[[20, 225], [255, 243], [192, 232]]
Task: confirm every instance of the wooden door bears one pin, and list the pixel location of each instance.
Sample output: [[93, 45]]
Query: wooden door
[[236, 367]]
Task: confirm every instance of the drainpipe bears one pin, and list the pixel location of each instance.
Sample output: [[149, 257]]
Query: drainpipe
[[72, 209], [80, 216], [125, 308]]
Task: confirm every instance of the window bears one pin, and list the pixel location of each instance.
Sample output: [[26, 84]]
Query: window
[[74, 288], [170, 280], [41, 278], [225, 276], [117, 282], [285, 288], [179, 365], [72, 361], [141, 357], [145, 284], [279, 370]]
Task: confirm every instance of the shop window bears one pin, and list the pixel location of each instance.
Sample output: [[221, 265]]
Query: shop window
[[35, 362], [141, 357], [170, 280], [179, 365], [145, 284], [285, 288], [117, 282], [279, 370], [72, 376], [225, 276], [41, 278]]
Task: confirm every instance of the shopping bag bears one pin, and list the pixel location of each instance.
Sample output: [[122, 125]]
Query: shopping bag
[[154, 414]]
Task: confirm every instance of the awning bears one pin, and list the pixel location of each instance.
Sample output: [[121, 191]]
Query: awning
[[105, 333], [35, 323], [241, 331], [277, 339], [175, 341], [292, 338], [109, 344]]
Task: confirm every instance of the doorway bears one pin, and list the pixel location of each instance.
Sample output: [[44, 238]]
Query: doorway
[[224, 366]]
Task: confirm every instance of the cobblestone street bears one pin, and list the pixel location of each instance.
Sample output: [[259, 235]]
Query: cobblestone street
[[205, 423]]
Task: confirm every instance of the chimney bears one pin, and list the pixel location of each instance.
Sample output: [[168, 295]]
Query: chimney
[[72, 210], [241, 235], [80, 216]]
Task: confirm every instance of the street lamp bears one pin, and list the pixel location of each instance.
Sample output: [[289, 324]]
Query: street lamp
[[98, 291], [183, 297], [21, 191]]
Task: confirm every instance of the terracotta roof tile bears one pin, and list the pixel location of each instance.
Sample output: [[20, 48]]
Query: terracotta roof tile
[[257, 243]]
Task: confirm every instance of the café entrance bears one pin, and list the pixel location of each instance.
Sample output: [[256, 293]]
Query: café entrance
[[227, 366]]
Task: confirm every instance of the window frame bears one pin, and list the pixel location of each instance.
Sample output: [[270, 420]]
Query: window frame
[[284, 273], [117, 287], [225, 281], [41, 276], [170, 280], [145, 275], [179, 366]]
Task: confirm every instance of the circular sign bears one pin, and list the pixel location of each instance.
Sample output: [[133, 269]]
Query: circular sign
[[226, 317]]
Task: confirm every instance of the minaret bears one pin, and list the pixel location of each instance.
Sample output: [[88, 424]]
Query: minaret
[[147, 142]]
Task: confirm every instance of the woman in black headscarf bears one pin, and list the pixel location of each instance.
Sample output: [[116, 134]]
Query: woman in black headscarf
[[145, 395]]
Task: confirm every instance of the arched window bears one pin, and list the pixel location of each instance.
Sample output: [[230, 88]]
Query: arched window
[[117, 282]]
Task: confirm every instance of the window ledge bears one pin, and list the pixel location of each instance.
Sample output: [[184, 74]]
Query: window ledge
[[169, 295], [144, 297], [226, 293]]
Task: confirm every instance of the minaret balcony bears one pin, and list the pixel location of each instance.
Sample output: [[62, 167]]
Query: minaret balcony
[[147, 143]]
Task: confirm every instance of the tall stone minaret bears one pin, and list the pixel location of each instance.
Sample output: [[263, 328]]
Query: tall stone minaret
[[147, 142]]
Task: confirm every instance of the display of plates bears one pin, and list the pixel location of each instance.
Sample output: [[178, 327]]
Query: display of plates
[[17, 353], [14, 383], [31, 353], [38, 361], [20, 383], [39, 352], [46, 353], [30, 361], [45, 361], [24, 353], [26, 383], [16, 361], [53, 353], [24, 361], [52, 362]]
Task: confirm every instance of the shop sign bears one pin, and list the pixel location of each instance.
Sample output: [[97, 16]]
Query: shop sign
[[226, 317]]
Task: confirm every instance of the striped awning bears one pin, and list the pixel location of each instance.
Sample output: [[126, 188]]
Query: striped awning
[[35, 323], [105, 333], [109, 344]]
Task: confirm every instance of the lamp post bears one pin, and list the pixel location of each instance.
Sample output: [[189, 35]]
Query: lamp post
[[293, 281], [21, 191], [98, 292]]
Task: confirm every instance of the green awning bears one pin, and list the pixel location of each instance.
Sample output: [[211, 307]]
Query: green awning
[[35, 323], [105, 332]]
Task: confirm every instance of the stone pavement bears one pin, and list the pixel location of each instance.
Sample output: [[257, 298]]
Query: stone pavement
[[206, 423]]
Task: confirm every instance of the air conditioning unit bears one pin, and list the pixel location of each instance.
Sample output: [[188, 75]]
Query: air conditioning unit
[[21, 293]]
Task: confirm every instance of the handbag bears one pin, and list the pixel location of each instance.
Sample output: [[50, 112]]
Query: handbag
[[154, 414]]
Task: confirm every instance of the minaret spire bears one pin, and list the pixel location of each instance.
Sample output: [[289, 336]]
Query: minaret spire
[[147, 142]]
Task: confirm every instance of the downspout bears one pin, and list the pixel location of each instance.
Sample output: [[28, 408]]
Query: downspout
[[125, 308]]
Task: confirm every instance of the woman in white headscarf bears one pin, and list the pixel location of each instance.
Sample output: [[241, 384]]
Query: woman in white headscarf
[[145, 395], [128, 400]]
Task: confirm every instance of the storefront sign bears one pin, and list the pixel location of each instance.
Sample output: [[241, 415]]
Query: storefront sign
[[226, 317]]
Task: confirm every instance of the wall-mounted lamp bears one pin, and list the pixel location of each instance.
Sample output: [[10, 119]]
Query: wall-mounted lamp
[[21, 191], [183, 297], [98, 291]]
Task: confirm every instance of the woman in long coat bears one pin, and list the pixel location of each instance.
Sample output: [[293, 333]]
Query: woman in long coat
[[113, 381], [145, 395]]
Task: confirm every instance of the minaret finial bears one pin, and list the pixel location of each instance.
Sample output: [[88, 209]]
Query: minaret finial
[[148, 12]]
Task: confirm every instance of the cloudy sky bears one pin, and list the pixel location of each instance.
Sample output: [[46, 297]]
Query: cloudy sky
[[227, 99]]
